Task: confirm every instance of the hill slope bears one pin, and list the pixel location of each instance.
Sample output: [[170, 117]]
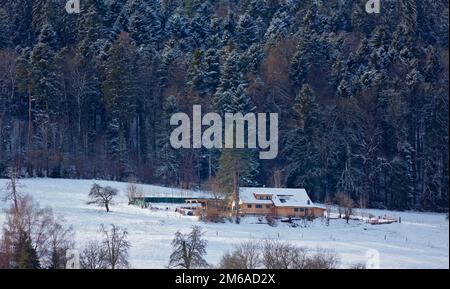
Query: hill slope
[[420, 241]]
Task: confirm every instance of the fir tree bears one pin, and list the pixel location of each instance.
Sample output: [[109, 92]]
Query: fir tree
[[304, 141], [231, 78], [145, 23], [5, 30], [93, 33], [402, 168], [238, 167], [279, 27], [169, 159], [210, 70], [28, 258], [246, 31], [119, 96]]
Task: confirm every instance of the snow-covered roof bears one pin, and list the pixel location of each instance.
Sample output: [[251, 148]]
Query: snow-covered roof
[[280, 197]]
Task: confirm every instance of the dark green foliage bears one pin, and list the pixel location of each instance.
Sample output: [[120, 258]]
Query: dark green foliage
[[28, 258], [169, 159], [363, 99], [246, 31], [304, 142], [5, 29]]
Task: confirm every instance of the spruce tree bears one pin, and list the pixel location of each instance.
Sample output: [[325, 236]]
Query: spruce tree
[[305, 137], [28, 258], [20, 17], [46, 96], [169, 159], [119, 96], [278, 28], [145, 24], [246, 31], [231, 78], [210, 70], [93, 33], [5, 31], [238, 167], [402, 178], [200, 23]]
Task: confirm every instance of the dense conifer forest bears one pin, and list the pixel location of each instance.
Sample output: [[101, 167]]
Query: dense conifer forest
[[362, 98]]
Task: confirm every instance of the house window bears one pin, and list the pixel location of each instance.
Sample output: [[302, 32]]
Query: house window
[[249, 206], [295, 209], [259, 206], [267, 206], [301, 209]]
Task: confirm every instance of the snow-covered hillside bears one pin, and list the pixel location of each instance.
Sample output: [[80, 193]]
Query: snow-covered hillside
[[420, 241]]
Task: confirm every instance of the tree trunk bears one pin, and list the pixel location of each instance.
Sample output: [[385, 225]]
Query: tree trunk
[[236, 190], [30, 121]]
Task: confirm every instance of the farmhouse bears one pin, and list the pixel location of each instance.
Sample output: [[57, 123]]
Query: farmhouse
[[278, 202]]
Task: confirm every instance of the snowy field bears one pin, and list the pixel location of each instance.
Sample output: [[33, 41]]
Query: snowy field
[[420, 241]]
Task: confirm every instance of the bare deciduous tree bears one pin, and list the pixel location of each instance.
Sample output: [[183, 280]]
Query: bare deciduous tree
[[246, 256], [322, 259], [345, 203], [61, 239], [102, 196], [116, 246], [358, 266], [277, 175], [93, 256], [282, 255], [189, 250], [277, 255], [12, 187], [48, 236], [133, 189], [328, 205], [217, 207]]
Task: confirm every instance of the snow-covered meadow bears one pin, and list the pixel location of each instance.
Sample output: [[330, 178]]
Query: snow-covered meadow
[[420, 241]]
